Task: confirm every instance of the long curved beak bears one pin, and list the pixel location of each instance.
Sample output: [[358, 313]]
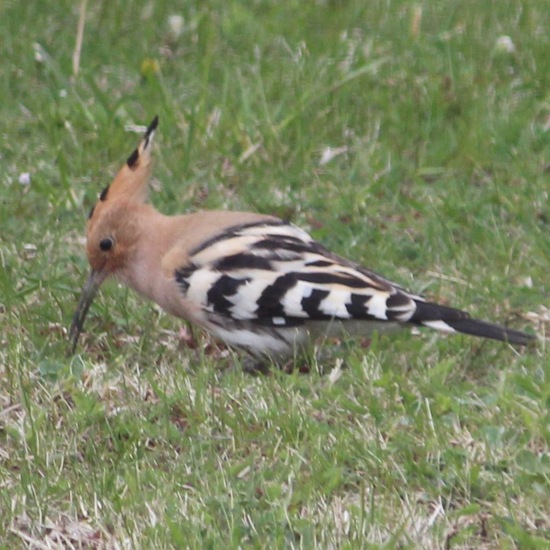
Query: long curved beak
[[87, 297]]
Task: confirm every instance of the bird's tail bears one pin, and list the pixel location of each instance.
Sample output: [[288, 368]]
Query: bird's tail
[[453, 320]]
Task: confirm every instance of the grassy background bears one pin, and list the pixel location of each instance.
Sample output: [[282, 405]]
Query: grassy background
[[441, 183]]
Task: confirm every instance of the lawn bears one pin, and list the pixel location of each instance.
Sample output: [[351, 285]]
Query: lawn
[[413, 137]]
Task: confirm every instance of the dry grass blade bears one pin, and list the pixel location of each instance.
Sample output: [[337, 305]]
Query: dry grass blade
[[79, 38]]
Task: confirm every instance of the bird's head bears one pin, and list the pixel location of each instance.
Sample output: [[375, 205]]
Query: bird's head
[[113, 224]]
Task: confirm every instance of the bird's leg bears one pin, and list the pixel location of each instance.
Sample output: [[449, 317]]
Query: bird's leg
[[255, 367]]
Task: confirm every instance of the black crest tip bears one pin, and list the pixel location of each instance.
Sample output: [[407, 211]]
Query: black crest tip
[[152, 127]]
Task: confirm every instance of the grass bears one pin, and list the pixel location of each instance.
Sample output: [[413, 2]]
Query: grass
[[440, 183]]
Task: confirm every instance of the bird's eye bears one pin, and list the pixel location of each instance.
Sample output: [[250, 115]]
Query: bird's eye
[[106, 244]]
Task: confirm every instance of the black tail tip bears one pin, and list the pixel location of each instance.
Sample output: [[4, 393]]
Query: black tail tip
[[494, 332]]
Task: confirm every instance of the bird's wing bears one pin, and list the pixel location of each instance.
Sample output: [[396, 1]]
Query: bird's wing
[[274, 273]]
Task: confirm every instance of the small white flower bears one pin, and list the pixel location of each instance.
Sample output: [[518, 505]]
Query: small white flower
[[24, 178], [504, 44], [175, 26], [39, 55]]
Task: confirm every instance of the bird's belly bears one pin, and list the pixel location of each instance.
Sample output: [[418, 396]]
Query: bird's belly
[[259, 340], [280, 343]]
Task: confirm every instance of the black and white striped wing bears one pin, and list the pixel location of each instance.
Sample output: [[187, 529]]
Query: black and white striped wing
[[276, 274]]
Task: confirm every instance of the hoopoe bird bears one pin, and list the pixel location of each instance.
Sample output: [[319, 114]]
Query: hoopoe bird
[[252, 280]]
